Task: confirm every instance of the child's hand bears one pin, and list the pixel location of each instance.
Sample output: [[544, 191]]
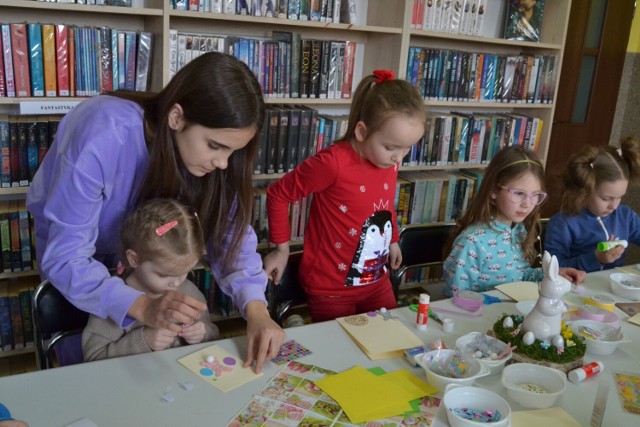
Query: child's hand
[[275, 262], [395, 256], [158, 339], [612, 255], [193, 334], [572, 275]]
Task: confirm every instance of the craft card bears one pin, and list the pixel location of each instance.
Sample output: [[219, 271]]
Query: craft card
[[292, 399], [378, 336], [543, 417], [520, 291], [224, 372], [628, 385], [290, 350], [635, 319]]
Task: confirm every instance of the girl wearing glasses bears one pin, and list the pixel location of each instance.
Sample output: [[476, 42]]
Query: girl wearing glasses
[[494, 241], [593, 185]]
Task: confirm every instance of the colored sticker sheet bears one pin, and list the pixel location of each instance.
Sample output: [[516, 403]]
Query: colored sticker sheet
[[628, 385], [520, 291], [292, 399], [378, 336], [290, 350], [224, 371]]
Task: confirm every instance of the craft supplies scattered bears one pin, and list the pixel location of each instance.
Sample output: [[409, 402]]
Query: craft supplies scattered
[[290, 350], [599, 405], [610, 244], [468, 300], [471, 406], [628, 384], [411, 353], [625, 285], [447, 366], [490, 351], [490, 299], [423, 312], [601, 339], [586, 371], [601, 300], [385, 314]]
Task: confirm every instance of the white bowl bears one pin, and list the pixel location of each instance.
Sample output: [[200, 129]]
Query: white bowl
[[469, 343], [443, 358], [533, 386], [476, 398], [606, 341], [625, 285]]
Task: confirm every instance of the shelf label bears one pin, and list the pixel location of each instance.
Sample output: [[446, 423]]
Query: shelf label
[[47, 107]]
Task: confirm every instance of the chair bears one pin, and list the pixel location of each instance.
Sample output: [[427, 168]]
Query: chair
[[421, 246], [54, 320], [288, 293]]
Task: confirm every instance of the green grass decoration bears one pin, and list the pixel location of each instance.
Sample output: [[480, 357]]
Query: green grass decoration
[[536, 351]]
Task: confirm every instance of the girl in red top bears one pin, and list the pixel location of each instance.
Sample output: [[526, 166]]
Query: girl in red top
[[351, 235]]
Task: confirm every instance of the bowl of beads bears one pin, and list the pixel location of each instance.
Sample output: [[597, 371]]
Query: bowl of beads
[[625, 285], [490, 351], [469, 406], [447, 366], [533, 386]]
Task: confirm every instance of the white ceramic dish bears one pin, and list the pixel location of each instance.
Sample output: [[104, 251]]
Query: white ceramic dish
[[443, 357], [601, 339], [524, 307], [477, 398], [466, 343], [625, 285], [533, 386]]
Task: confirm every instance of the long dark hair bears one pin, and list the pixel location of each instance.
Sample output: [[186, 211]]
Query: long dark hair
[[216, 91]]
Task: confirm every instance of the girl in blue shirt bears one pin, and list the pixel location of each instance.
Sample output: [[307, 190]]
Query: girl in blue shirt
[[493, 242], [593, 185]]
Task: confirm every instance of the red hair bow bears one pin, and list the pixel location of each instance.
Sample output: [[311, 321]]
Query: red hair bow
[[384, 75]]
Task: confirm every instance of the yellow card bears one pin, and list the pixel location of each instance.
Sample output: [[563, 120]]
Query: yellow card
[[364, 396], [377, 337], [224, 371], [520, 291], [556, 417], [411, 383], [635, 319]]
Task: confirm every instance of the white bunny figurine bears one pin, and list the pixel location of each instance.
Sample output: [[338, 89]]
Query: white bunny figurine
[[543, 322]]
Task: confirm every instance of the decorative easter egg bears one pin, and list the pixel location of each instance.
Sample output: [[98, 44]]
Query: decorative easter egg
[[528, 338], [557, 341], [507, 322]]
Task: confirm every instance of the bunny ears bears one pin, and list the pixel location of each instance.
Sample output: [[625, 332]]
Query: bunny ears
[[384, 75]]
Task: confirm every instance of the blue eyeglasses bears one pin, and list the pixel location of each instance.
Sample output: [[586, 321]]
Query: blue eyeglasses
[[519, 196]]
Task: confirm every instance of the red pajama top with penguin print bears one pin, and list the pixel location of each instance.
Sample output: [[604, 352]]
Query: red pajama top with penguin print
[[351, 223]]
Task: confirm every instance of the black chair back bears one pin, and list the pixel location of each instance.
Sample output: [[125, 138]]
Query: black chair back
[[54, 318], [288, 293]]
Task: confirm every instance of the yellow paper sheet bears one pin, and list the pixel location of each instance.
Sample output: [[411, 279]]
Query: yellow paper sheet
[[365, 396], [520, 291], [377, 337], [224, 373], [414, 385], [635, 319], [556, 417]]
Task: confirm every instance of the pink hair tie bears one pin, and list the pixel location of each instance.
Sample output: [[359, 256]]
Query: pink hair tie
[[160, 231], [384, 75]]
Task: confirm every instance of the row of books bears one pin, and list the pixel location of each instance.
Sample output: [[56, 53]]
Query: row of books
[[451, 75], [17, 240], [303, 10], [434, 196], [218, 303], [298, 216], [56, 60], [291, 134], [450, 16], [121, 3], [16, 326], [286, 65], [466, 139], [24, 141]]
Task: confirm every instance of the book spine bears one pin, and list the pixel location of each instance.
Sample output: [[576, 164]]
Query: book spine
[[25, 239], [20, 59], [5, 236], [14, 227], [62, 60], [32, 148], [106, 67], [49, 55], [143, 61], [7, 54], [34, 40], [314, 69], [5, 154], [347, 75], [23, 154], [71, 39], [130, 61], [305, 67], [325, 60], [27, 326], [6, 335]]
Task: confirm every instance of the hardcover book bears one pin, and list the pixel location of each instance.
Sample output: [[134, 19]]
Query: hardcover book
[[524, 20]]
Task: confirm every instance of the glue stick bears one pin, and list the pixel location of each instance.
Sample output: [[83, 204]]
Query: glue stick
[[584, 372], [610, 244], [423, 312]]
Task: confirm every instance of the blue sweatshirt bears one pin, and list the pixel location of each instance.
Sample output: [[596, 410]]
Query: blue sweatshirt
[[573, 239], [84, 188], [485, 255]]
